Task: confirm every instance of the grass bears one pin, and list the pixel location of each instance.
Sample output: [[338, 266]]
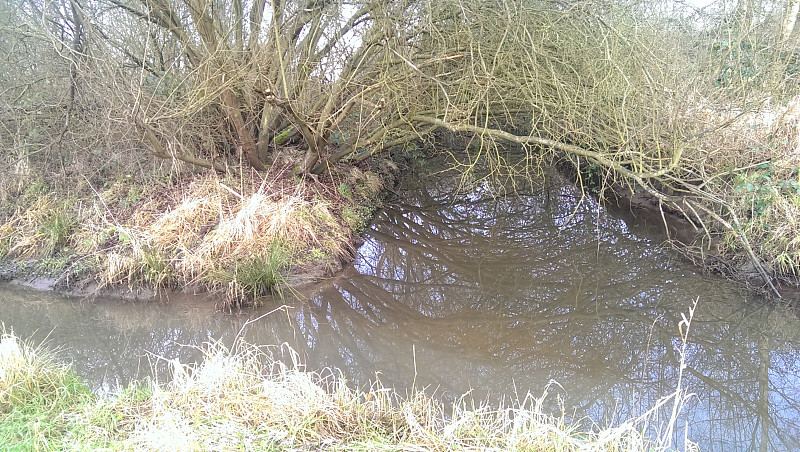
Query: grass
[[243, 400], [38, 400], [239, 236], [39, 229], [257, 276], [5, 244], [56, 226]]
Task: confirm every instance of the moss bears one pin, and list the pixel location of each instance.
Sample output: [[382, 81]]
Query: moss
[[357, 217]]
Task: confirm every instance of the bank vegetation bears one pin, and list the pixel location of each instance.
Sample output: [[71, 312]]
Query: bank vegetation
[[243, 400], [261, 132]]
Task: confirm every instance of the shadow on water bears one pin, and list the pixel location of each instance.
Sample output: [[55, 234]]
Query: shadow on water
[[465, 291]]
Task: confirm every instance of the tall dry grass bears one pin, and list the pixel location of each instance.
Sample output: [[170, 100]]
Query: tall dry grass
[[241, 241], [244, 399]]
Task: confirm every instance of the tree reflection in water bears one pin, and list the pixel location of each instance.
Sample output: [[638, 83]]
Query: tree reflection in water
[[501, 295], [466, 291]]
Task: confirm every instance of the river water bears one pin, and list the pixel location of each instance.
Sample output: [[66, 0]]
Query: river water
[[458, 289]]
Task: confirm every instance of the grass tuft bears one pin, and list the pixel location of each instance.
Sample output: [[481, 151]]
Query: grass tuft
[[39, 230], [243, 236], [255, 277], [242, 242], [38, 398], [56, 227]]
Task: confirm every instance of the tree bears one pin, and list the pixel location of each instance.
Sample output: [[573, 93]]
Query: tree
[[309, 65], [652, 95]]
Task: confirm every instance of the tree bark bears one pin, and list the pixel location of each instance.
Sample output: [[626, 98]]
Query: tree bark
[[245, 141]]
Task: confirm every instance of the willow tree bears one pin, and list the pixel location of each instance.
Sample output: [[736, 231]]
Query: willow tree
[[654, 98], [305, 68], [650, 94]]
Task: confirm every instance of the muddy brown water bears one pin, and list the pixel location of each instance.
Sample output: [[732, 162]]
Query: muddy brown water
[[458, 292]]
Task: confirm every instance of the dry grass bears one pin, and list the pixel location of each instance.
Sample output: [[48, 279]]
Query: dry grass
[[19, 366], [211, 235], [246, 400], [241, 235], [243, 399]]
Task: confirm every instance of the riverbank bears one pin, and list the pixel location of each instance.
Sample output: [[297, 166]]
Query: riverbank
[[244, 235], [731, 204], [243, 399]]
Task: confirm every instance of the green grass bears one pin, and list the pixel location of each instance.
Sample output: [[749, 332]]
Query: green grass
[[40, 402], [4, 247], [264, 273], [54, 264], [154, 268], [259, 275], [56, 227]]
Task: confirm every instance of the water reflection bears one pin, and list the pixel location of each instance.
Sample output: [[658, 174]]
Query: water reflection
[[467, 291]]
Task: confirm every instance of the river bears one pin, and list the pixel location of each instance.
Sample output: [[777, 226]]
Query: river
[[459, 289]]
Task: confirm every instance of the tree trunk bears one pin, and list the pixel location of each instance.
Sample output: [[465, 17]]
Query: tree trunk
[[245, 142], [310, 161], [790, 19]]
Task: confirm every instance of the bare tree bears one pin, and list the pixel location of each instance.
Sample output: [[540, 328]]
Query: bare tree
[[264, 68]]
